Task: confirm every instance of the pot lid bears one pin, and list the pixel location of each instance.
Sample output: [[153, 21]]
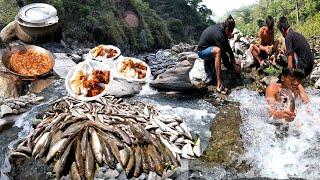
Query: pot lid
[[37, 13]]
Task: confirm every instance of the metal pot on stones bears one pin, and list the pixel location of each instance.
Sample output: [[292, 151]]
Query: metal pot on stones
[[38, 23]]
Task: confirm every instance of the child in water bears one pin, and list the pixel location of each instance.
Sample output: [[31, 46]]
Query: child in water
[[278, 92]]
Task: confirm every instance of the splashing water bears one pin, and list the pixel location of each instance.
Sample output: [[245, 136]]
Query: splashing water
[[288, 150]]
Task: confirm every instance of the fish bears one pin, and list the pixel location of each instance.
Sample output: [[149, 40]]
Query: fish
[[131, 162], [124, 156], [96, 146], [54, 149], [109, 158], [79, 159], [287, 97], [138, 162], [89, 163], [62, 161], [40, 143], [83, 142], [74, 172]]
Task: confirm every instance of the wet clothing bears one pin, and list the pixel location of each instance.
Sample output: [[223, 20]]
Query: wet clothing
[[214, 36], [303, 56]]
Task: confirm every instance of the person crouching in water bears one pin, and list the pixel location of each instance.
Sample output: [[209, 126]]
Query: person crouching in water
[[214, 46], [285, 92]]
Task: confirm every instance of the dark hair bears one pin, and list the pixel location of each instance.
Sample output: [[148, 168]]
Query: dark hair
[[229, 23], [296, 73], [270, 22], [283, 24]]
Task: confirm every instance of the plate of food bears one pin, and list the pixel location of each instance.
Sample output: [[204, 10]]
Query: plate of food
[[105, 52], [133, 69], [88, 80]]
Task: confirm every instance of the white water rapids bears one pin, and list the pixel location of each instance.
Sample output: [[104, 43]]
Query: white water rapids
[[283, 150]]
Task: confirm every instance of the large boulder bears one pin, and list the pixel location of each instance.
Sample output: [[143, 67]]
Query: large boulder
[[9, 32], [175, 78], [200, 75], [123, 88]]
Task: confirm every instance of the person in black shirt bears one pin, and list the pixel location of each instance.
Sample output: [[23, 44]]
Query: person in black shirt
[[214, 45], [298, 50]]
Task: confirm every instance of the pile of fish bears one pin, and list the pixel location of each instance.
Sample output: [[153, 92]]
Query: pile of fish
[[76, 135]]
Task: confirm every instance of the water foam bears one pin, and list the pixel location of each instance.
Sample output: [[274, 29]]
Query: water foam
[[286, 150]]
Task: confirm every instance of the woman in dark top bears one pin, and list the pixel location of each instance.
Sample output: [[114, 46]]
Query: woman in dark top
[[214, 45], [298, 50]]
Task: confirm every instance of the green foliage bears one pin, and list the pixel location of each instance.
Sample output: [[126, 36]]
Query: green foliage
[[248, 19], [310, 27], [92, 22], [273, 70], [8, 10]]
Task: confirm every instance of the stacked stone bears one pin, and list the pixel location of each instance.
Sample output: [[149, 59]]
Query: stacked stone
[[18, 105]]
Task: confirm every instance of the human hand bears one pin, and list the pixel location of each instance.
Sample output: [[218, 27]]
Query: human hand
[[289, 116], [268, 49]]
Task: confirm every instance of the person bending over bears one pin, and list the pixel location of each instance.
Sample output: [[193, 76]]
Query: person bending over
[[298, 52], [291, 82], [214, 46], [266, 41]]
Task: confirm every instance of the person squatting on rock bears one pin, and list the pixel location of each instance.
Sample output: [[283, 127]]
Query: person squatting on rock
[[266, 42], [290, 80], [298, 52], [214, 46]]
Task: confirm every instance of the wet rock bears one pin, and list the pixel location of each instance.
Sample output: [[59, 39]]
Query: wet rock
[[76, 58], [225, 143], [11, 105], [122, 175], [4, 124], [315, 73], [8, 85], [317, 84], [142, 177], [111, 173], [39, 85], [15, 111], [9, 32], [184, 55], [119, 167], [5, 110], [63, 64], [22, 110], [23, 168], [16, 106], [122, 88], [177, 49], [176, 78]]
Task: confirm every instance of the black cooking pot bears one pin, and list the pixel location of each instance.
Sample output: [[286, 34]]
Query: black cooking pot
[[38, 23]]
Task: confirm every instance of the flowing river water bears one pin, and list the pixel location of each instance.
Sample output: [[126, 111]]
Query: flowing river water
[[282, 150]]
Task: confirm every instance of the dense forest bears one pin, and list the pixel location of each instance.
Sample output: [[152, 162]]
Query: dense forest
[[303, 15], [140, 25], [131, 24]]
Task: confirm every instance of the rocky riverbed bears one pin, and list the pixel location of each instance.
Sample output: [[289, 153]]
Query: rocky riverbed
[[170, 69]]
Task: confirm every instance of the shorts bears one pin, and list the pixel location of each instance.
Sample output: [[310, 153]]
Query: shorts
[[206, 54], [304, 65]]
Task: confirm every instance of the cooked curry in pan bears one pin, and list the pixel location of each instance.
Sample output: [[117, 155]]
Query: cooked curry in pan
[[29, 63]]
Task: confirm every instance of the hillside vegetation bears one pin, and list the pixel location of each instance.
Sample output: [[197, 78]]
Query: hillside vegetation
[[134, 25]]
